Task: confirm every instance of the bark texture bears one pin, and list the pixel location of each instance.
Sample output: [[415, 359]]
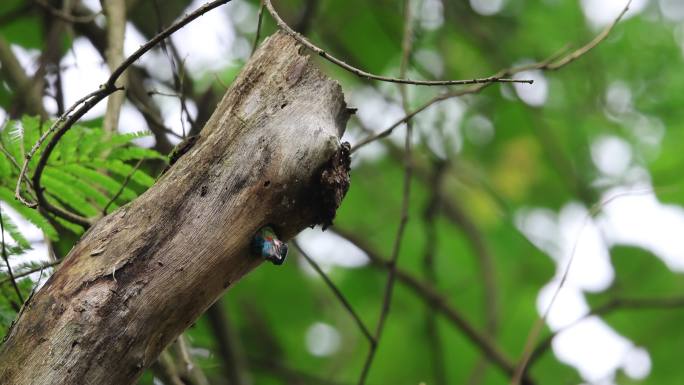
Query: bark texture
[[143, 274]]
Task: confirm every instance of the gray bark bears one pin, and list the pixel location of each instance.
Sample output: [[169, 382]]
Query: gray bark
[[270, 154]]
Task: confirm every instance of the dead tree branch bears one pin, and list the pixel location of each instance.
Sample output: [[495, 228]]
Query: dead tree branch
[[266, 156]]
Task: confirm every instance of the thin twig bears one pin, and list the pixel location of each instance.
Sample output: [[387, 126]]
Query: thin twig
[[407, 45], [287, 375], [538, 325], [410, 115], [31, 271], [593, 43], [135, 91], [188, 370], [338, 293], [5, 257], [367, 75], [179, 77], [69, 18], [36, 146], [610, 306], [309, 11], [227, 340], [66, 121], [431, 242], [457, 215], [432, 297], [260, 17], [184, 353], [165, 369], [552, 63], [162, 93], [536, 329], [123, 186], [28, 92]]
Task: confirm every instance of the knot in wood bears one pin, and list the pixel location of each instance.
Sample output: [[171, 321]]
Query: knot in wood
[[334, 183]]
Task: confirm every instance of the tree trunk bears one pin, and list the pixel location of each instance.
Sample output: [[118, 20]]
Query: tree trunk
[[270, 154]]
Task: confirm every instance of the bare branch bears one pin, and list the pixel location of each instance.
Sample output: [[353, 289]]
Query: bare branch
[[123, 186], [338, 293], [136, 92], [65, 16], [431, 242], [305, 42], [165, 369], [288, 375], [28, 93], [588, 47], [552, 63], [613, 305], [260, 17], [67, 120], [537, 327], [34, 149], [189, 371], [410, 115], [407, 46], [115, 10], [31, 271], [228, 345], [431, 296]]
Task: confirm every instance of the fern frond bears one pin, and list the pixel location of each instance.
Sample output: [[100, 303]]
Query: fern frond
[[11, 137], [110, 185], [69, 196], [134, 153], [13, 231], [31, 127], [89, 192], [74, 228], [116, 141], [84, 171], [124, 170], [67, 149], [5, 167], [90, 139], [33, 216]]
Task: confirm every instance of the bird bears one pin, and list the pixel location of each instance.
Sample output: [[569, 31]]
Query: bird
[[266, 244]]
